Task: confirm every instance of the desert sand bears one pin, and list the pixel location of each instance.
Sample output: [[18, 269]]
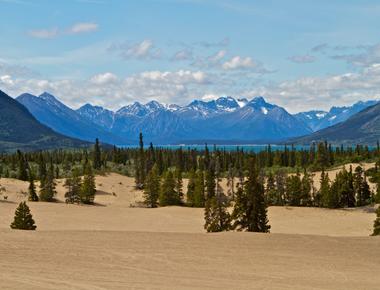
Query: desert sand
[[116, 245]]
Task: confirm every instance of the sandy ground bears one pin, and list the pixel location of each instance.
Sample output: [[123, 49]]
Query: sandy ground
[[114, 245]]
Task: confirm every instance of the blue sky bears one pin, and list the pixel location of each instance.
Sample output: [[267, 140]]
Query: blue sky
[[298, 54]]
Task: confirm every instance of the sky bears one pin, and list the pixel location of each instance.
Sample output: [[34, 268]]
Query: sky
[[301, 55]]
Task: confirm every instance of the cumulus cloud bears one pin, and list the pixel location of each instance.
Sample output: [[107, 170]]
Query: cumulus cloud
[[111, 91], [302, 58], [244, 63], [141, 50], [83, 27], [323, 92]]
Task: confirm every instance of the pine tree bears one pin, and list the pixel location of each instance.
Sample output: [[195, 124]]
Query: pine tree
[[307, 188], [47, 188], [22, 167], [140, 164], [168, 195], [294, 189], [191, 189], [32, 191], [97, 155], [179, 182], [23, 219], [88, 188], [250, 210], [152, 187], [199, 190], [323, 198], [217, 217], [376, 224], [271, 192], [73, 185], [210, 180]]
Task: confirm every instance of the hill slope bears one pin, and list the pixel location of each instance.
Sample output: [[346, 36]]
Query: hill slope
[[20, 130], [51, 112], [363, 128]]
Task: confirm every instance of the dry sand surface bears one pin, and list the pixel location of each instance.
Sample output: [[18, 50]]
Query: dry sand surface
[[115, 246]]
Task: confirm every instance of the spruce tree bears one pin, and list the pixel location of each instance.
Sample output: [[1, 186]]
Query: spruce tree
[[22, 167], [376, 224], [250, 210], [73, 185], [271, 192], [191, 188], [323, 198], [140, 164], [152, 187], [97, 155], [217, 217], [199, 189], [179, 182], [294, 191], [88, 187], [32, 194], [47, 188], [168, 194], [210, 180], [23, 219]]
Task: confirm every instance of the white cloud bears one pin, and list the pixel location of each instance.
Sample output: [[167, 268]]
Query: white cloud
[[44, 33], [238, 62], [140, 50], [181, 55], [83, 27], [103, 79], [111, 91]]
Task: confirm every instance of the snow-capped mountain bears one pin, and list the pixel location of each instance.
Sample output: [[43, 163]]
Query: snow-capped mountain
[[223, 119], [317, 120]]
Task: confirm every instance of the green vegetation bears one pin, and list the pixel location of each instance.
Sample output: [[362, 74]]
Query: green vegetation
[[23, 218]]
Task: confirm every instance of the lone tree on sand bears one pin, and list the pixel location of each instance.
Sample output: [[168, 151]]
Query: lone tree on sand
[[23, 218]]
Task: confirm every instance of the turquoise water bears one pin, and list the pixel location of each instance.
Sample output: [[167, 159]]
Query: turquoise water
[[246, 148]]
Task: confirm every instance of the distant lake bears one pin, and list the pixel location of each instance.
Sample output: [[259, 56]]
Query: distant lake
[[247, 148]]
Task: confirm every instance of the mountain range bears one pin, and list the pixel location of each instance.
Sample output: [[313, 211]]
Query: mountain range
[[223, 119], [20, 130], [361, 128]]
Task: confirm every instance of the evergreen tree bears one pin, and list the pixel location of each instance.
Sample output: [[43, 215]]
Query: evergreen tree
[[210, 180], [217, 217], [47, 188], [22, 167], [250, 210], [73, 185], [88, 187], [323, 198], [179, 182], [191, 189], [335, 193], [307, 188], [23, 219], [168, 195], [294, 191], [199, 190], [152, 187], [97, 155], [32, 191], [280, 187], [271, 192], [376, 224], [140, 164]]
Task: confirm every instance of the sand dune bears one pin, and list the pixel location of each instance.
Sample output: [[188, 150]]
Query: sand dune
[[113, 245]]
